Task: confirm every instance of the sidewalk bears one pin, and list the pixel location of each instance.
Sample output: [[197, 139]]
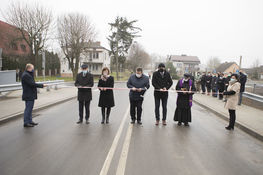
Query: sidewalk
[[248, 119], [12, 106]]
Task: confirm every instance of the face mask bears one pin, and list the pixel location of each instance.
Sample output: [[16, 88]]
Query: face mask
[[186, 79], [138, 75], [105, 73], [233, 80], [161, 70], [84, 71]]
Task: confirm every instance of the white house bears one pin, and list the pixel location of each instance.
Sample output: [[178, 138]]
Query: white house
[[95, 56], [184, 63]]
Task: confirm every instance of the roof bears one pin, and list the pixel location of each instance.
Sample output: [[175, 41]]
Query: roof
[[94, 45], [184, 58], [222, 67]]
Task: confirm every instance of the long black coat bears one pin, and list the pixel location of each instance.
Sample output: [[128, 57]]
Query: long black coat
[[106, 97], [203, 79], [29, 86], [84, 94], [160, 82], [243, 80], [208, 81]]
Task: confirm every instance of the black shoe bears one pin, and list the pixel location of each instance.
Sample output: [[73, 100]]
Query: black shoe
[[87, 122], [133, 121], [179, 123], [139, 122], [229, 128], [107, 120], [79, 122], [186, 124], [33, 123], [28, 125]]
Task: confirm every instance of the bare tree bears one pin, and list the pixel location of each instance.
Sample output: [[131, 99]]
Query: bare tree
[[33, 22], [74, 33], [213, 63], [138, 57], [256, 63]]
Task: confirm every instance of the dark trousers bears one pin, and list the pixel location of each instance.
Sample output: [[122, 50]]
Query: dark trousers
[[103, 109], [221, 90], [232, 119], [136, 105], [28, 111], [81, 107], [203, 88], [157, 106], [240, 98]]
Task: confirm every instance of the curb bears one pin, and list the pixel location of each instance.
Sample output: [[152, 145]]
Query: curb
[[36, 109], [239, 125]]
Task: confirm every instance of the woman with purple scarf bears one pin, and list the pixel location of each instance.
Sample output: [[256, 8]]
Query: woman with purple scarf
[[184, 100]]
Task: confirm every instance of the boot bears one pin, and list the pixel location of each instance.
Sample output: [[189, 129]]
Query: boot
[[103, 119], [107, 119]]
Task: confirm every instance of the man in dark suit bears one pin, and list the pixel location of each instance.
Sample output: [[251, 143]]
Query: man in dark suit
[[242, 80], [29, 94], [161, 82], [84, 82]]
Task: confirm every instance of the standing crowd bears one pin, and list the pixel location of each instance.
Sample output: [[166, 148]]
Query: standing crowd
[[228, 86]]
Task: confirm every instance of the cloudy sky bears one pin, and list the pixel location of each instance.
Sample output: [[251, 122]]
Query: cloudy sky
[[203, 28]]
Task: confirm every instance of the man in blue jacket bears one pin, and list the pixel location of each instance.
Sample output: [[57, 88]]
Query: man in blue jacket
[[29, 94], [138, 83]]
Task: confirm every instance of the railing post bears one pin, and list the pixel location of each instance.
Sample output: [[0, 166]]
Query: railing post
[[254, 89]]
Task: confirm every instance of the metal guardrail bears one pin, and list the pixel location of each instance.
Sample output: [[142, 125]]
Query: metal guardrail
[[18, 86], [252, 96]]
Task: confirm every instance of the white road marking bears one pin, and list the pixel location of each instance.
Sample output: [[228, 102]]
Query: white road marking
[[124, 153], [112, 150]]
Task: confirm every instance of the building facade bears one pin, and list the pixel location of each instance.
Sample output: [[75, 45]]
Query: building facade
[[94, 55], [184, 63]]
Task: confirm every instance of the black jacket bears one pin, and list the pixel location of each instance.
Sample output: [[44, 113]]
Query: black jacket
[[220, 83], [208, 81], [161, 81], [106, 97], [203, 79], [29, 86], [84, 94], [142, 83], [242, 80]]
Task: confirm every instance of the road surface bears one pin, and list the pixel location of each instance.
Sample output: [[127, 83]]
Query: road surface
[[60, 146]]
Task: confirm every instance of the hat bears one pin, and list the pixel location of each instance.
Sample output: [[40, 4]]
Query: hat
[[161, 65], [186, 75], [84, 66]]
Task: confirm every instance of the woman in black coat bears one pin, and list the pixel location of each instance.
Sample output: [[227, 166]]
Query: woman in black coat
[[106, 99]]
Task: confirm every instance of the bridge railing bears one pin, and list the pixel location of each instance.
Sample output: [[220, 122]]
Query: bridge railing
[[18, 86]]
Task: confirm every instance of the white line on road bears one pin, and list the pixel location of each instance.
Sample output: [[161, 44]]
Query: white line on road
[[114, 145], [124, 153]]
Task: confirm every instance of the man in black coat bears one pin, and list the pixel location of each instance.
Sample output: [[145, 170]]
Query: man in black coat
[[29, 94], [84, 82], [208, 83], [242, 80], [161, 82], [221, 85], [138, 83], [203, 82]]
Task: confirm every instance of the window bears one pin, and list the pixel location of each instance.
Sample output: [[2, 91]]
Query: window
[[97, 55], [23, 47], [14, 46], [96, 67]]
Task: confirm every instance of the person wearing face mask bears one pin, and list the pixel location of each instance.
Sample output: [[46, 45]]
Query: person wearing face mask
[[161, 82], [220, 85], [214, 84], [106, 100], [84, 79], [184, 100], [138, 83], [203, 82], [198, 81], [227, 79], [208, 83], [243, 80], [29, 94], [232, 94]]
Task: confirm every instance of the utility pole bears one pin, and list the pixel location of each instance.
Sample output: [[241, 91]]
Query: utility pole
[[1, 64], [240, 62]]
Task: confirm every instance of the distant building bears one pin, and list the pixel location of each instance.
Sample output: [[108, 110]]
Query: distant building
[[184, 63], [95, 56], [255, 73], [13, 46], [228, 67]]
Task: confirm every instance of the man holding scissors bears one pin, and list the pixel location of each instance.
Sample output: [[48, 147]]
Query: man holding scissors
[[84, 82]]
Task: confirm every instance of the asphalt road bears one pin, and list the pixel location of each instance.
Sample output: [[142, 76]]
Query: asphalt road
[[60, 146]]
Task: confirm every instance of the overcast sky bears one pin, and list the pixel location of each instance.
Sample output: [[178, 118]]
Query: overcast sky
[[203, 28]]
